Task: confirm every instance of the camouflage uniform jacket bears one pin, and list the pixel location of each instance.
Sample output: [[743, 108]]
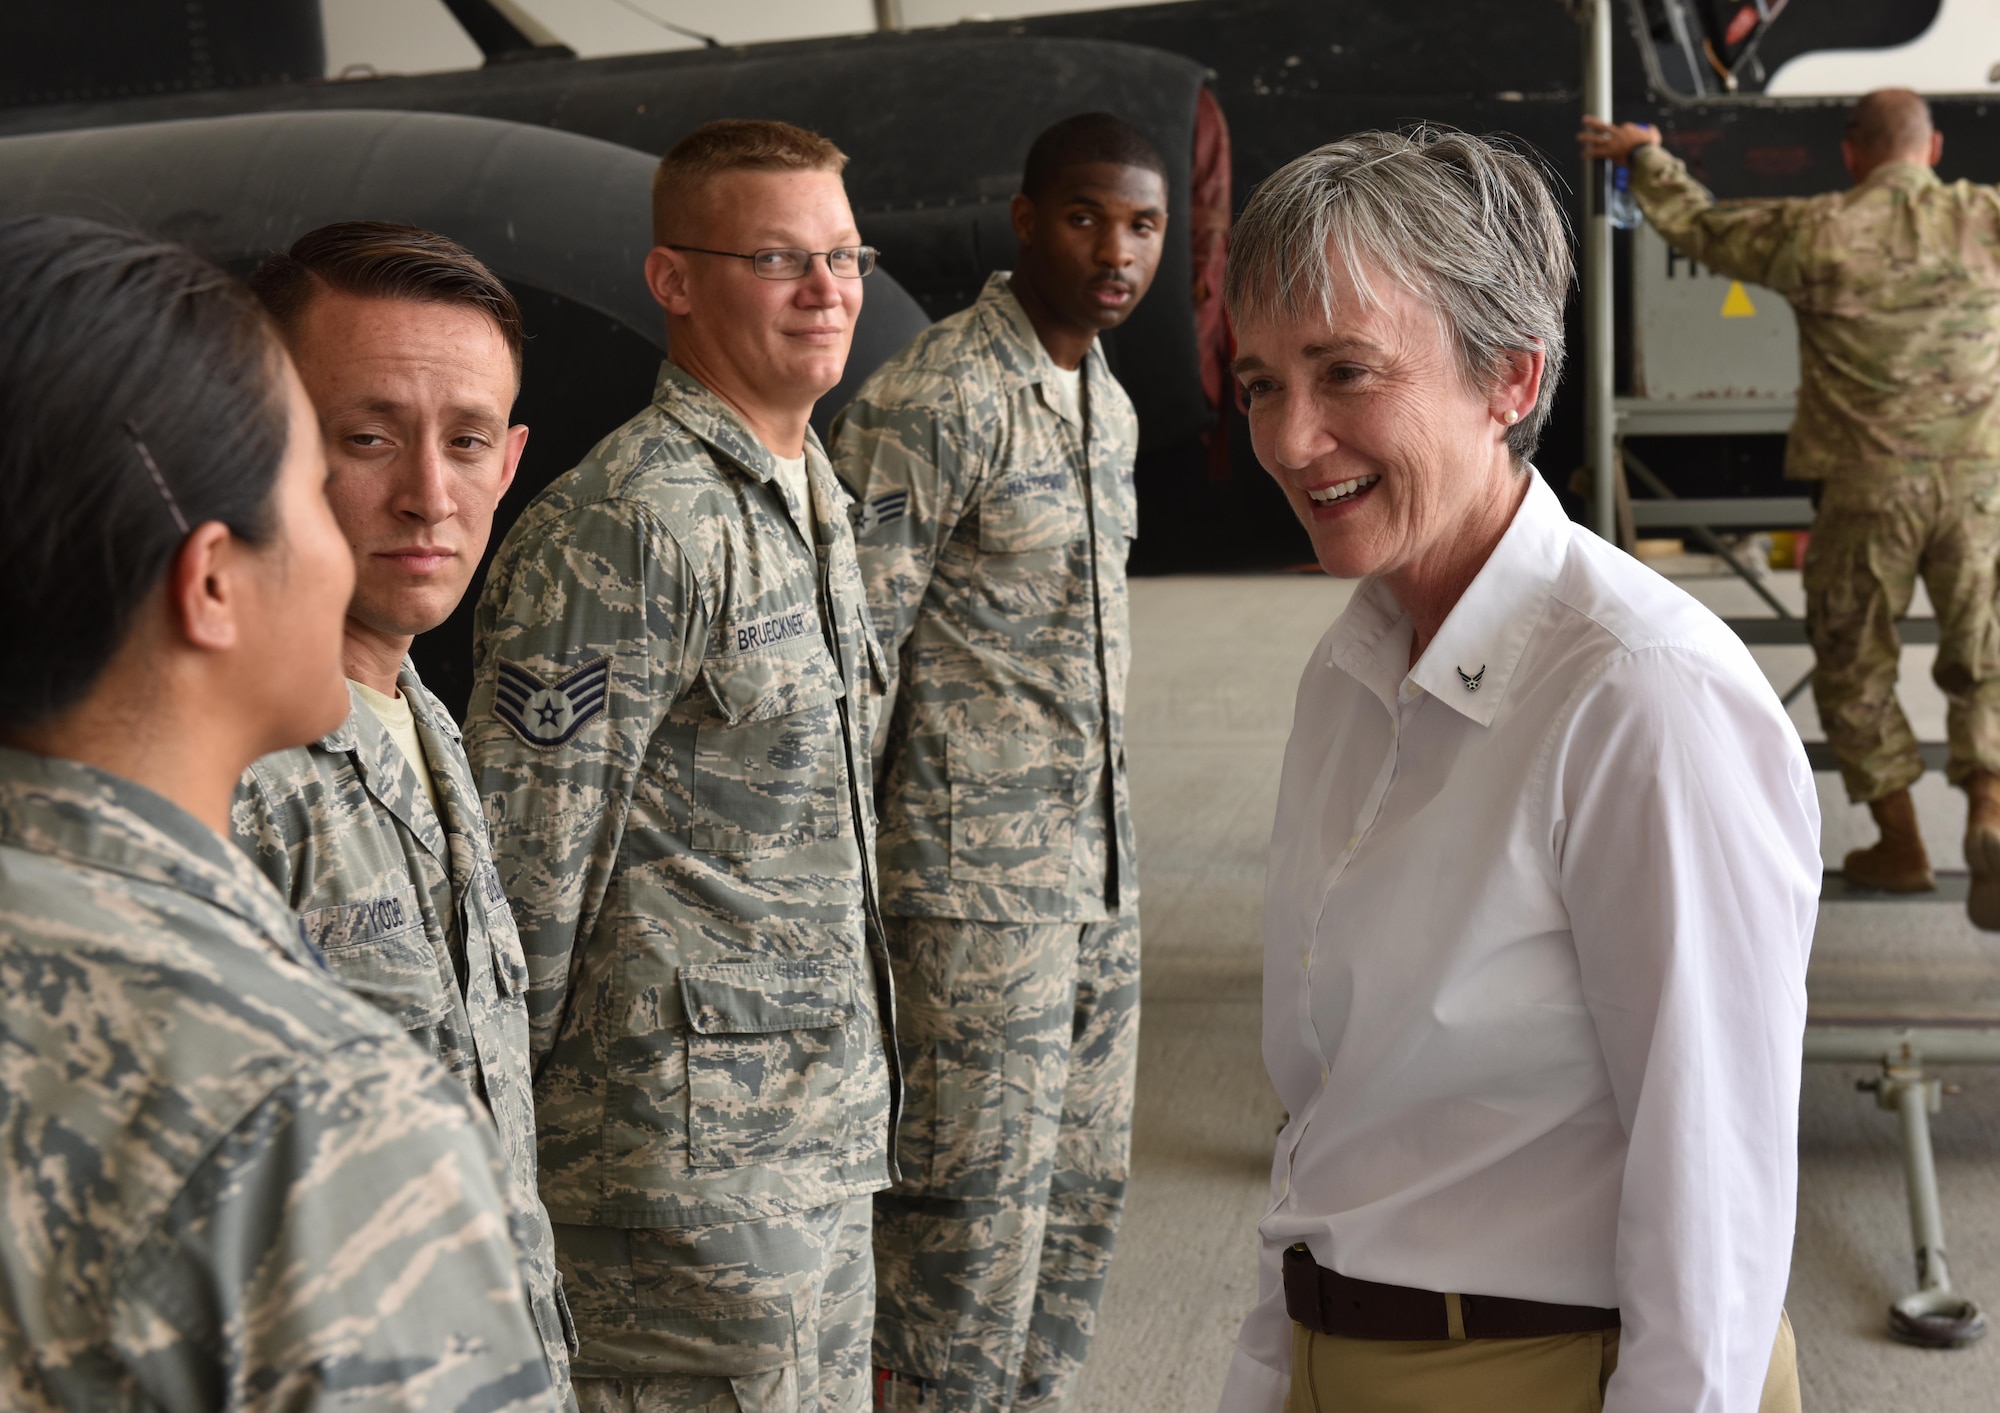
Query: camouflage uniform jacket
[[407, 910], [1896, 285], [227, 1182], [995, 564], [669, 655]]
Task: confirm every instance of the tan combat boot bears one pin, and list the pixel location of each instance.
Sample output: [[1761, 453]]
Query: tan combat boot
[[1982, 848], [1897, 863]]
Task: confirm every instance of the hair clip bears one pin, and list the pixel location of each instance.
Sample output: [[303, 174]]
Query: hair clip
[[153, 470]]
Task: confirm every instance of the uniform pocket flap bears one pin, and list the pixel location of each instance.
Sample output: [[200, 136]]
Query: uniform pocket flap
[[1027, 522], [379, 949], [778, 681], [1015, 759], [878, 657], [747, 998], [338, 927]]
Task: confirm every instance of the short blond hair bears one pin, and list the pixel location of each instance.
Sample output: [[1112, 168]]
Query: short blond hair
[[733, 145]]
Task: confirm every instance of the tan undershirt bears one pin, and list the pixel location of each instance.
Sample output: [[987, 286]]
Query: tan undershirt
[[792, 474], [397, 719]]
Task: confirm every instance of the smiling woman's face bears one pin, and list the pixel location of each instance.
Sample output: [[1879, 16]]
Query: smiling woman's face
[[1365, 421]]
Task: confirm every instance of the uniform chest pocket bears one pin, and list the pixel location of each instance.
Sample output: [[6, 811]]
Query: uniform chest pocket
[[768, 1046], [1117, 508], [768, 762], [1030, 513], [379, 948], [488, 904]]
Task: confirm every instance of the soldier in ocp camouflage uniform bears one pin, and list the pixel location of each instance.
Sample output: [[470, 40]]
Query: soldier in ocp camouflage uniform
[[374, 835], [992, 466], [1896, 285], [673, 649]]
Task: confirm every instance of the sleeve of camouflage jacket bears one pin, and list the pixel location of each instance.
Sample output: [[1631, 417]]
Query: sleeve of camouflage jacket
[[605, 581], [910, 458], [254, 822], [1740, 240], [347, 1246]]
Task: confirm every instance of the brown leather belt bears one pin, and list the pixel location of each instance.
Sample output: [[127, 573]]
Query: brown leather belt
[[1329, 1303]]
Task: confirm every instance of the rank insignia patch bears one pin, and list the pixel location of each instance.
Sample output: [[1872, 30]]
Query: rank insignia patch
[[876, 513], [548, 714]]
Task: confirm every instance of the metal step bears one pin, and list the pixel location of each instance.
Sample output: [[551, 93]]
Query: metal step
[[1951, 888], [1736, 512], [1791, 632], [1819, 755]]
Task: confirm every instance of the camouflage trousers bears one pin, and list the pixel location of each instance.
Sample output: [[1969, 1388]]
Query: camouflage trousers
[[1020, 1045], [763, 1316], [1871, 540]]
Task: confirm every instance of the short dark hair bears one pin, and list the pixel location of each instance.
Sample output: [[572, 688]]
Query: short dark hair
[[1889, 122], [1087, 137], [733, 145], [384, 260], [141, 391]]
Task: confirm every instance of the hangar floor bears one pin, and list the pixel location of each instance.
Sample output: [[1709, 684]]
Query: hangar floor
[[1216, 662]]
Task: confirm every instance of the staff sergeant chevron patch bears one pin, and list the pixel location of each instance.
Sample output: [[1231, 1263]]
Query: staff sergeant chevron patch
[[545, 714]]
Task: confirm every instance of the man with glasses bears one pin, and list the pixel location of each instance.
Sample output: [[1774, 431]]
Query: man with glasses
[[673, 652]]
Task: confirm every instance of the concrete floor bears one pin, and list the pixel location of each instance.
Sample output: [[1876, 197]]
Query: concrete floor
[[1216, 663]]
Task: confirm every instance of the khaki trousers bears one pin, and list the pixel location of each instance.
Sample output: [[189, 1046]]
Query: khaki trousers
[[1557, 1374]]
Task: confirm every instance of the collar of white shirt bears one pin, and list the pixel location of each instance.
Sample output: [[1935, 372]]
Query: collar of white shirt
[[1471, 661]]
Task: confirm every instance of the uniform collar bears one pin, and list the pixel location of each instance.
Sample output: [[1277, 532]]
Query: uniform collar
[[1471, 662], [467, 849], [67, 810], [1905, 176], [390, 777], [1023, 359], [691, 403]]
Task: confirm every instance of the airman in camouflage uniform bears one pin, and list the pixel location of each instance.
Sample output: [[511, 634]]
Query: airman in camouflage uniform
[[1896, 285], [405, 904], [670, 650], [672, 662], [230, 1183], [374, 833], [995, 512]]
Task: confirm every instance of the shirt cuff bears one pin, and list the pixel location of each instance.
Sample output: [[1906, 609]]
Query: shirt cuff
[[1645, 160], [1253, 1387]]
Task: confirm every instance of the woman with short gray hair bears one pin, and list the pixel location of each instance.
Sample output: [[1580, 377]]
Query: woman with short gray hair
[[1545, 867]]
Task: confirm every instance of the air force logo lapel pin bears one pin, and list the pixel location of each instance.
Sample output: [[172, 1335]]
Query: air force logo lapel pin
[[1471, 680], [549, 713]]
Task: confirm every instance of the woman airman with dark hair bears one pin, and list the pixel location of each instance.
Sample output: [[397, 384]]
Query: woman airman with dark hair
[[223, 1180]]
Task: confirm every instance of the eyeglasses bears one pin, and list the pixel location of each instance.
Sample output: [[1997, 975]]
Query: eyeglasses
[[849, 262]]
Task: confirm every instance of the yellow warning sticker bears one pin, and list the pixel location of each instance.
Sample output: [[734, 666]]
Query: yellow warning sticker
[[1736, 304]]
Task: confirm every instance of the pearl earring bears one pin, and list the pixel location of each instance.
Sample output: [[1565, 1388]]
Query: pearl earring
[[1511, 417]]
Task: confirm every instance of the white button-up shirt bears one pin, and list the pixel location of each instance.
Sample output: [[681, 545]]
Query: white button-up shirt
[[1536, 926]]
